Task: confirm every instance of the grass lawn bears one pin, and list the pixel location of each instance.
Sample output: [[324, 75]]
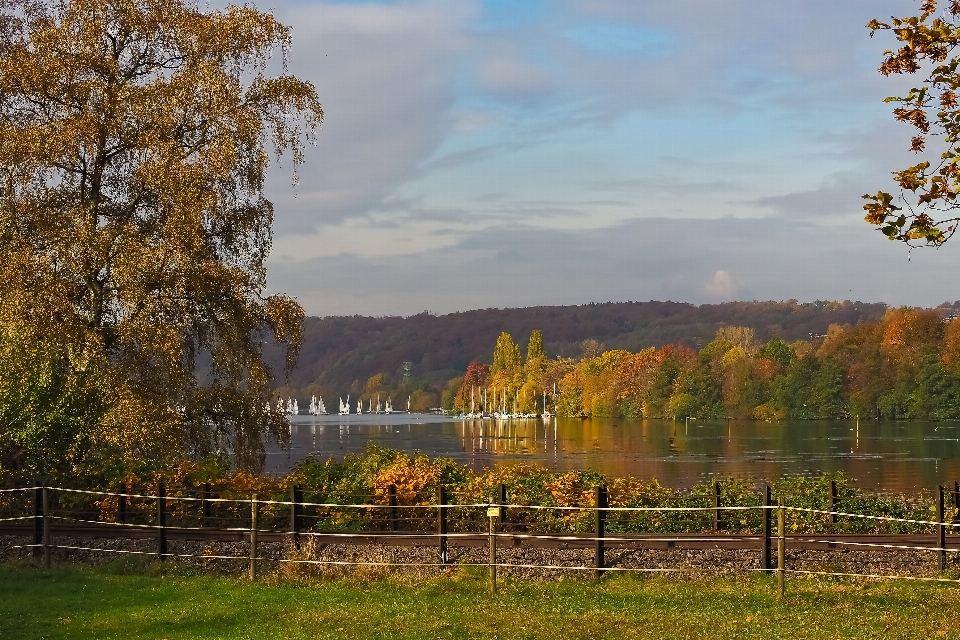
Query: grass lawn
[[116, 602]]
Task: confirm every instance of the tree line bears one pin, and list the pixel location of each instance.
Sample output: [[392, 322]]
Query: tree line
[[904, 366]]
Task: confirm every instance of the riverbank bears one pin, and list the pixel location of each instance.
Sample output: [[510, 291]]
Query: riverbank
[[120, 602]]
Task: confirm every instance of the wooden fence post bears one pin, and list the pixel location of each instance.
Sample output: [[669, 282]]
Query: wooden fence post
[[492, 557], [392, 500], [205, 505], [941, 531], [296, 513], [502, 501], [161, 521], [253, 537], [834, 502], [122, 504], [46, 528], [442, 522], [781, 549], [717, 519], [37, 519], [601, 521], [765, 562]]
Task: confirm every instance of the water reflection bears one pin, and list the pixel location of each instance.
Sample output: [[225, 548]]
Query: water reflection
[[889, 455]]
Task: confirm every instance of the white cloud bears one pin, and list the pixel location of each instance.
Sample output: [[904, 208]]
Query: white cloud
[[722, 286]]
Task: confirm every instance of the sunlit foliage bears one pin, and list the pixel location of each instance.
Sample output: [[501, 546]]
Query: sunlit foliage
[[905, 366], [927, 190], [134, 140]]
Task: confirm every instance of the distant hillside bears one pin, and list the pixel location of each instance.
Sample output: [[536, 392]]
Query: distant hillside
[[340, 353]]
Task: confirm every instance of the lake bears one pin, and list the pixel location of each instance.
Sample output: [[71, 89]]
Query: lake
[[892, 456]]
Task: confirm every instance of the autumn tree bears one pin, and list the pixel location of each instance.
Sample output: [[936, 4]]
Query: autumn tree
[[928, 189], [134, 141], [506, 354], [535, 347]]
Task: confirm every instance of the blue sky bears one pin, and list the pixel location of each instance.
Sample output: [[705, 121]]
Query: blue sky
[[514, 153]]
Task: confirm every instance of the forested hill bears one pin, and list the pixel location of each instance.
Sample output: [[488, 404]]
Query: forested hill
[[340, 353]]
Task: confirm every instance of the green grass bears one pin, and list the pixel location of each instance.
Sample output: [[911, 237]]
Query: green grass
[[115, 602]]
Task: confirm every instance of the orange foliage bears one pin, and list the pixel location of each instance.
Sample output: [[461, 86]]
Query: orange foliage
[[951, 350], [767, 369]]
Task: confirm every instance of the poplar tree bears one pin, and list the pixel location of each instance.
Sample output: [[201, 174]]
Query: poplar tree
[[134, 141], [535, 346], [506, 354]]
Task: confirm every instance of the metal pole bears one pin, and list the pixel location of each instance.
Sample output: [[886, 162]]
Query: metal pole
[[502, 500], [442, 522], [46, 528], [834, 501], [717, 518], [205, 505], [253, 537], [601, 520], [781, 548]]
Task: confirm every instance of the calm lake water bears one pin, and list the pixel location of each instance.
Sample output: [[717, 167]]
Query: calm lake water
[[892, 456]]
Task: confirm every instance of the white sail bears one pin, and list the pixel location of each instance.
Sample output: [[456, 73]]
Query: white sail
[[359, 406], [321, 410], [389, 408], [296, 408], [408, 404]]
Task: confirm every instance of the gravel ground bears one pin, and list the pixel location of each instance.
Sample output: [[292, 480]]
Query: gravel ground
[[424, 561]]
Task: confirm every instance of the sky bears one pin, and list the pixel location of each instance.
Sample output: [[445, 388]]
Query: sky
[[512, 153]]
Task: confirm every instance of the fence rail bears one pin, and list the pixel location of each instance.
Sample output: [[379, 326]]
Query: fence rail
[[428, 525]]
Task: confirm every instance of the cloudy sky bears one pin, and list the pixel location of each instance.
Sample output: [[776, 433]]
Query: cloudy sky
[[504, 153]]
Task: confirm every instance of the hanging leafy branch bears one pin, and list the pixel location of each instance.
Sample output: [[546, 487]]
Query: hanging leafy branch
[[928, 190]]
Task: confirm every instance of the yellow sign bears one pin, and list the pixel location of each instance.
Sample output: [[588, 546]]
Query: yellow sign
[[493, 512]]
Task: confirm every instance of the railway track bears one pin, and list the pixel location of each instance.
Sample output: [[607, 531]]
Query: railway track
[[679, 541]]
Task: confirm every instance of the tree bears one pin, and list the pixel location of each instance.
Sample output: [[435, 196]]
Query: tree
[[778, 351], [535, 346], [134, 141], [928, 189], [506, 354]]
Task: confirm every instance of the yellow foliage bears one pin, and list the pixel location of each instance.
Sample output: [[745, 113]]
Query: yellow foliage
[[410, 476]]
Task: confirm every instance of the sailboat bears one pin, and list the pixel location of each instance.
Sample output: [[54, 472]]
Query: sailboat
[[359, 406], [321, 410], [345, 406], [546, 412], [379, 410], [389, 407], [408, 404]]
